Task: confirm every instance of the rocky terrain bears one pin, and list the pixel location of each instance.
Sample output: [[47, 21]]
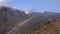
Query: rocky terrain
[[13, 21], [10, 17], [48, 25]]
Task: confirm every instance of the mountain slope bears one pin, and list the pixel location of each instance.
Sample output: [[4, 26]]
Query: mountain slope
[[39, 24], [9, 17], [48, 24]]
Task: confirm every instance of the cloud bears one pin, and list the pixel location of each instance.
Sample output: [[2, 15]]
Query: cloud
[[5, 2]]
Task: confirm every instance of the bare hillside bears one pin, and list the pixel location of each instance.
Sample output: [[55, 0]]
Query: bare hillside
[[9, 17], [13, 21]]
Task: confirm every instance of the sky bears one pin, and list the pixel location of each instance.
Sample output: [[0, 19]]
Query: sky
[[37, 5]]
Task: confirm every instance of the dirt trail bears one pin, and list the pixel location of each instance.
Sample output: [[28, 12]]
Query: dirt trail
[[18, 26]]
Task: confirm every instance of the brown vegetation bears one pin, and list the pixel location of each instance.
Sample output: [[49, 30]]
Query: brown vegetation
[[53, 27]]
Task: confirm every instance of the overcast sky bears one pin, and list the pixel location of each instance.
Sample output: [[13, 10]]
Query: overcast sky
[[38, 5]]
